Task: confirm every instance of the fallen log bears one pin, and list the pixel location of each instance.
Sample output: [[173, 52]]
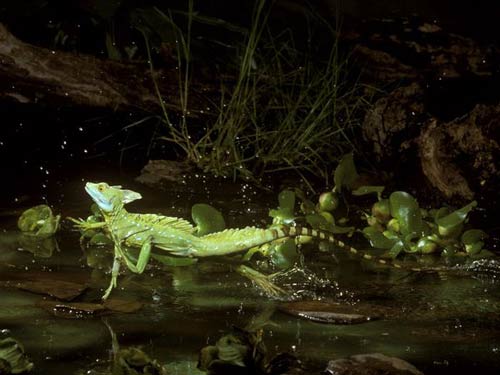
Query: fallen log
[[32, 74]]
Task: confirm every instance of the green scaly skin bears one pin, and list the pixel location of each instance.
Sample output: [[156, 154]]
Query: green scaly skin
[[176, 236]]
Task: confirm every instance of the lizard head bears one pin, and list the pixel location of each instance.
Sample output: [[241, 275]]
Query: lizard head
[[110, 198]]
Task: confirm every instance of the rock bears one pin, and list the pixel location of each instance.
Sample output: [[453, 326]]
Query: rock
[[371, 364], [332, 312], [393, 120], [460, 158], [158, 171]]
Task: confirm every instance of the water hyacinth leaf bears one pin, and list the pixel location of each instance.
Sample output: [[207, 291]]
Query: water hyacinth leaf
[[328, 201], [319, 221], [286, 200], [377, 239], [473, 240], [474, 248], [427, 246], [328, 217], [369, 189], [406, 210], [13, 357], [285, 254], [316, 221], [450, 224], [449, 251], [307, 207], [382, 210], [473, 235], [207, 219], [284, 214], [336, 229], [410, 242], [39, 221], [396, 249], [345, 173]]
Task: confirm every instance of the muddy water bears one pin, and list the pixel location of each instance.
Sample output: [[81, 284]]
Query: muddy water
[[441, 323]]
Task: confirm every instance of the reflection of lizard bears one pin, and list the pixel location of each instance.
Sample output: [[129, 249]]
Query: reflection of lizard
[[177, 236]]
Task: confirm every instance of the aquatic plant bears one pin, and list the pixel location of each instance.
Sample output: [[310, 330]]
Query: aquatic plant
[[399, 225], [13, 360], [285, 111], [39, 221], [233, 352], [38, 225]]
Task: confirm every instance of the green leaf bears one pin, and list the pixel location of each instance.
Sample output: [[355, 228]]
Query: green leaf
[[336, 229], [328, 201], [377, 239], [473, 240], [450, 224], [382, 210], [345, 173], [319, 221], [369, 189], [13, 357], [207, 219], [427, 246], [307, 207], [286, 200], [396, 249], [39, 221], [284, 214], [473, 235], [406, 210], [284, 255], [316, 221], [410, 242]]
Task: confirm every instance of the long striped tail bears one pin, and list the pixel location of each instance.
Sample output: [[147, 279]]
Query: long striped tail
[[297, 231], [231, 241]]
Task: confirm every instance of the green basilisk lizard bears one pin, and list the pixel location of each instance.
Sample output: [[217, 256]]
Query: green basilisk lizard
[[177, 236]]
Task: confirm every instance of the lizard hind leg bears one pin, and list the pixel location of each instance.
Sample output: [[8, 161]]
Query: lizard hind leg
[[262, 281]]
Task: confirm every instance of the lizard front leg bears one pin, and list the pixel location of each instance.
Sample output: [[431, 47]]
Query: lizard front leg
[[115, 270]]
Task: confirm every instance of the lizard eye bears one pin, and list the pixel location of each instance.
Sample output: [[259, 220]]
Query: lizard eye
[[100, 188]]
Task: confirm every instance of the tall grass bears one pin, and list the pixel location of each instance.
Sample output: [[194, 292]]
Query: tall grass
[[287, 110]]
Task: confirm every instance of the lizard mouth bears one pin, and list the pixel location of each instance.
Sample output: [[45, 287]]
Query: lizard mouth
[[103, 204]]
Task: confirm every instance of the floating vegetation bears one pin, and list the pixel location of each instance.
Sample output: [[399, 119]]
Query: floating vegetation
[[234, 351], [399, 225], [13, 360], [39, 221]]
